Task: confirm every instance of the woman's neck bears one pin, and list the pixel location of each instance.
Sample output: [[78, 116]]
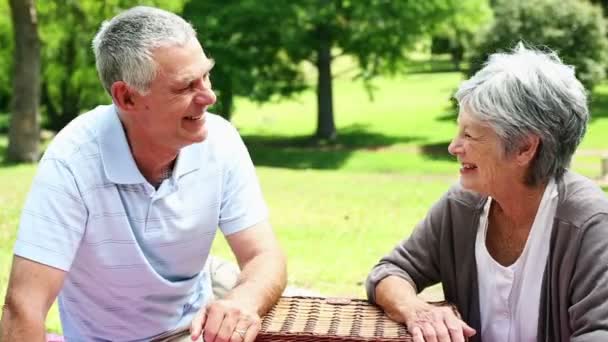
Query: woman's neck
[[518, 204]]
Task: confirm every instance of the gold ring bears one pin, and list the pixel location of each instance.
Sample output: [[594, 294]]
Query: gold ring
[[241, 332]]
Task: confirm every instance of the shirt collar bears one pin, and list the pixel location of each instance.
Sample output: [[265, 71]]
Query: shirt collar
[[118, 163], [188, 160]]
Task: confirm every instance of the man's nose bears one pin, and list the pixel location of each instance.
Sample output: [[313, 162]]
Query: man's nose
[[205, 97]]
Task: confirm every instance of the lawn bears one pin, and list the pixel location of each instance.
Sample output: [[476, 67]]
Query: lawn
[[337, 209]]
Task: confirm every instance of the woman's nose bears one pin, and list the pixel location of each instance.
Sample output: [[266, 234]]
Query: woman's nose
[[454, 147]]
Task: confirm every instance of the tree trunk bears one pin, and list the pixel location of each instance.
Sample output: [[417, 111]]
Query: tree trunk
[[326, 128], [24, 130], [226, 100]]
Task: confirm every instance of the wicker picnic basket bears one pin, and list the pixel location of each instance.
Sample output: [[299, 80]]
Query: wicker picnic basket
[[302, 319]]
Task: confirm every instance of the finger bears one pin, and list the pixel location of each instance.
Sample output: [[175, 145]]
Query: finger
[[241, 330], [467, 330], [196, 327], [417, 334], [252, 332], [428, 330], [454, 326], [441, 331], [229, 324], [439, 325], [213, 323], [236, 336]]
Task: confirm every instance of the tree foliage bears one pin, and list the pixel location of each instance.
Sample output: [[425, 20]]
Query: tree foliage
[[576, 30], [6, 57], [247, 41], [70, 82], [263, 35], [456, 34]]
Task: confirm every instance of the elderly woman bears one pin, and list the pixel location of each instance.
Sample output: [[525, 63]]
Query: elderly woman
[[520, 246]]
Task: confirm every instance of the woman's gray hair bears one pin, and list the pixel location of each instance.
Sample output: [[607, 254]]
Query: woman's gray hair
[[529, 92], [123, 46]]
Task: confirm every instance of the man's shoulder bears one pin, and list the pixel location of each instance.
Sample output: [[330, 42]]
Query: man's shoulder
[[223, 135], [218, 123], [78, 135]]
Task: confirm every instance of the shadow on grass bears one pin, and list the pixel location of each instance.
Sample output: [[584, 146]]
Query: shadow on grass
[[304, 152], [437, 151]]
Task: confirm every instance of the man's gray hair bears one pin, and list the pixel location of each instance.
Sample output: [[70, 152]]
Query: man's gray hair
[[530, 92], [123, 46]]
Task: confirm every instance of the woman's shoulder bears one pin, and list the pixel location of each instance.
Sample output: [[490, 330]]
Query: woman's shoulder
[[461, 196], [580, 199]]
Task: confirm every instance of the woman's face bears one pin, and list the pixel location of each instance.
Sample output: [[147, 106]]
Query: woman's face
[[484, 168]]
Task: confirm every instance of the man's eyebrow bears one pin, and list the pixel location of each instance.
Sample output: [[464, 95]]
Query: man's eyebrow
[[210, 63]]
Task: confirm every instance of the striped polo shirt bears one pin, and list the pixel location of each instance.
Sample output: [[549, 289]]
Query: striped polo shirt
[[135, 255]]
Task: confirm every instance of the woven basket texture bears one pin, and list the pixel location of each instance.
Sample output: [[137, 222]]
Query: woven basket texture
[[303, 319]]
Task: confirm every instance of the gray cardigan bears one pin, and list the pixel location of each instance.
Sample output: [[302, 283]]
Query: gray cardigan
[[574, 297]]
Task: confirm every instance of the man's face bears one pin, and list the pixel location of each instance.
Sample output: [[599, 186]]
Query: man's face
[[172, 113]]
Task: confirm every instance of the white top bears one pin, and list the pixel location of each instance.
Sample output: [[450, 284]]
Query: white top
[[509, 297], [134, 255]]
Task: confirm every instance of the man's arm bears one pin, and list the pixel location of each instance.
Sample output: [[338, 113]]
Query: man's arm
[[263, 267], [262, 280], [32, 289]]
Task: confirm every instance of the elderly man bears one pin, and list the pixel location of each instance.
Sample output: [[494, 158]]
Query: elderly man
[[127, 200]]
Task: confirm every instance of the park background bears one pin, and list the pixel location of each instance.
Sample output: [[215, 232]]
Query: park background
[[345, 106]]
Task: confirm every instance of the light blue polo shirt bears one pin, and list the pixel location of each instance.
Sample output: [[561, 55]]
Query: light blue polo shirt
[[135, 256]]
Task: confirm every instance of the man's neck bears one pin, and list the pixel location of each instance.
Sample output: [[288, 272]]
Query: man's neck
[[154, 161]]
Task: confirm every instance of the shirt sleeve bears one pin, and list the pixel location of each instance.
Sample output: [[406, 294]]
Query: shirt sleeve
[[589, 286], [415, 259], [53, 219], [242, 203]]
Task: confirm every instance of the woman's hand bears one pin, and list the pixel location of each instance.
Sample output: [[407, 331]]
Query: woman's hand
[[424, 321], [433, 323]]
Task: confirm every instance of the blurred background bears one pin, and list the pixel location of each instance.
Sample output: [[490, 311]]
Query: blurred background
[[345, 105]]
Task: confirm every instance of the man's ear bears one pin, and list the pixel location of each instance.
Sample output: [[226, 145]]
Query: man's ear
[[527, 149], [123, 96]]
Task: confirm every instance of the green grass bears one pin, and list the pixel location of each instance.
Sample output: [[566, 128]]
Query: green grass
[[338, 208], [335, 225]]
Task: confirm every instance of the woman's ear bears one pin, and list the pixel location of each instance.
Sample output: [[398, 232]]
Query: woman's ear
[[527, 149], [123, 96]]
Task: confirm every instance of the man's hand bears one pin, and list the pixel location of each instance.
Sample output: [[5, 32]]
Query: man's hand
[[433, 323], [225, 321]]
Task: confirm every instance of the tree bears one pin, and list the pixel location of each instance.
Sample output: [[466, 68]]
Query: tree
[[70, 82], [247, 39], [603, 4], [375, 32], [455, 35], [576, 30], [6, 58], [24, 130]]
